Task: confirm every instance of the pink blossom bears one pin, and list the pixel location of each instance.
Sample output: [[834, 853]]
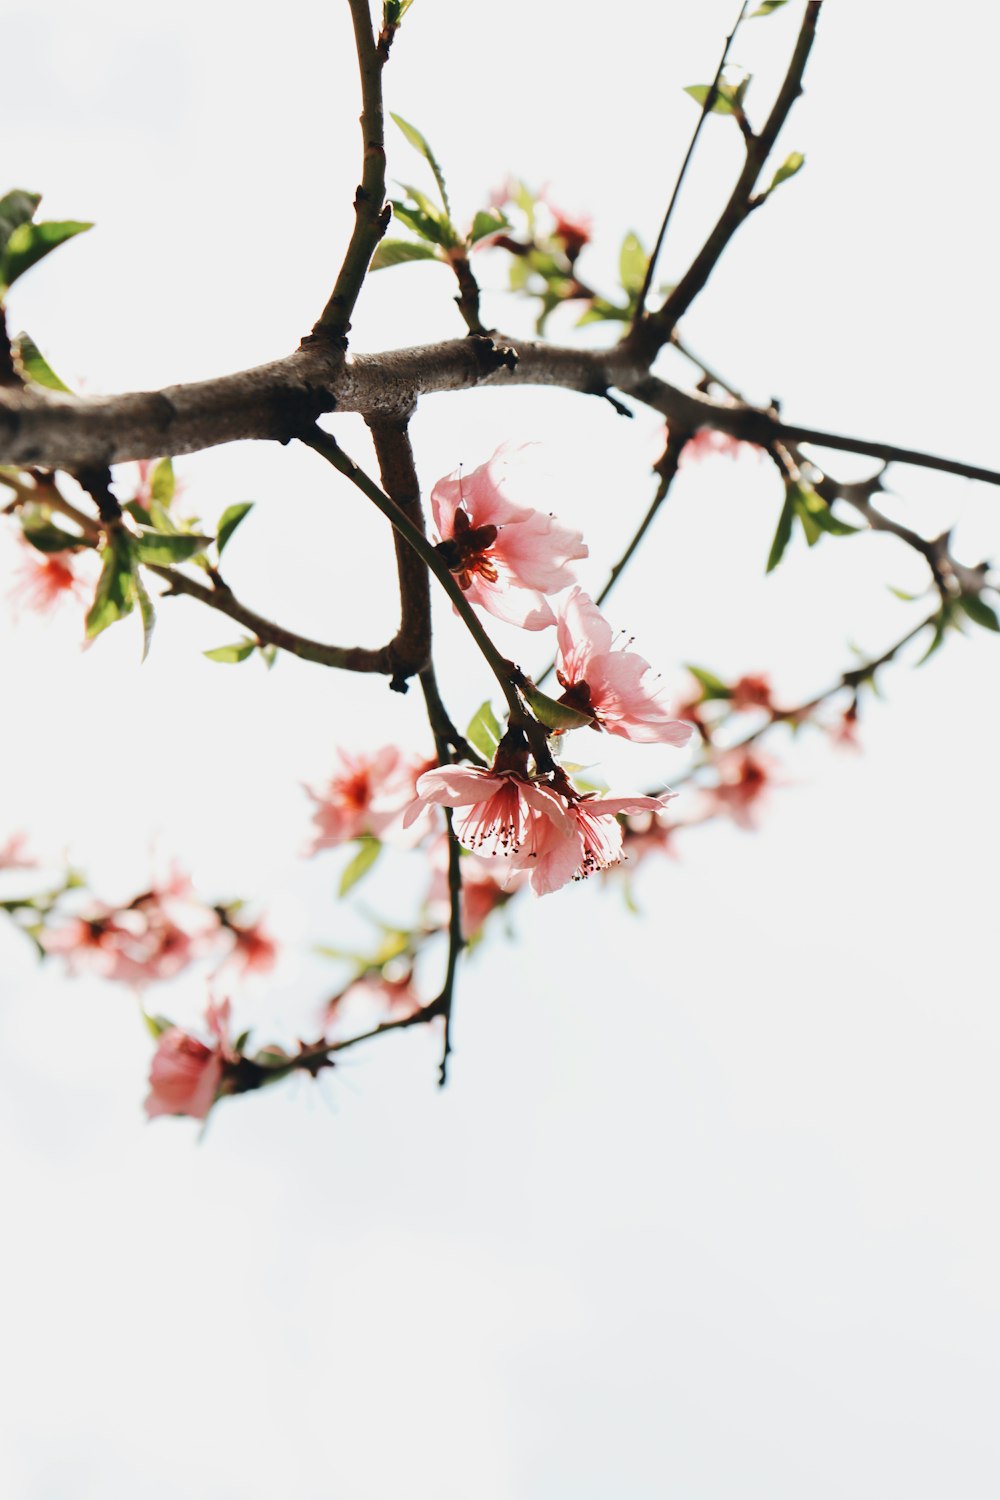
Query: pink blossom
[[844, 733], [484, 888], [751, 692], [598, 844], [616, 687], [505, 557], [13, 855], [556, 838], [45, 581], [153, 938], [392, 995], [367, 794], [744, 778], [185, 1073], [254, 949]]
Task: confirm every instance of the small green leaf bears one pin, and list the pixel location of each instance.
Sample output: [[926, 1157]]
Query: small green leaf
[[788, 168], [156, 1025], [902, 594], [397, 252], [487, 221], [270, 655], [115, 592], [158, 519], [632, 262], [29, 243], [816, 515], [16, 207], [979, 611], [941, 622], [419, 142], [726, 101], [556, 716], [163, 549], [41, 533], [783, 534], [712, 686], [34, 366], [369, 849], [162, 484], [484, 731], [393, 12], [232, 654], [147, 612], [229, 520], [766, 8]]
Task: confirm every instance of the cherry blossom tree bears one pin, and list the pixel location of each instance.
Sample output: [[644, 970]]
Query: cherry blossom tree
[[499, 809]]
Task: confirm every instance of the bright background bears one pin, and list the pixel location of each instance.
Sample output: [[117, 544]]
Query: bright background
[[709, 1207]]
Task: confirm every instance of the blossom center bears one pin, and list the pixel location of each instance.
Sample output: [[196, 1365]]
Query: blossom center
[[467, 550]]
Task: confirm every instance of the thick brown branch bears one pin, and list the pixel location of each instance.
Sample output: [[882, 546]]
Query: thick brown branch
[[653, 332], [410, 649]]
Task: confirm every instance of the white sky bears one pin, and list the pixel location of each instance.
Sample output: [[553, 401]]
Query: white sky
[[709, 1207]]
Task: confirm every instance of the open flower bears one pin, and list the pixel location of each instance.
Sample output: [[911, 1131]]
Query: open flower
[[744, 779], [186, 1073], [367, 794], [45, 581], [154, 937], [616, 687], [505, 557], [554, 837]]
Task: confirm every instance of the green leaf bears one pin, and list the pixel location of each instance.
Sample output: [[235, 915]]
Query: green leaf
[[115, 593], [419, 142], [602, 311], [783, 534], [162, 484], [484, 731], [727, 99], [979, 611], [902, 594], [232, 654], [712, 686], [163, 549], [632, 262], [396, 252], [29, 243], [16, 208], [816, 515], [229, 520], [147, 612], [393, 12], [369, 849], [941, 622], [156, 1025], [487, 221], [556, 716], [766, 8], [270, 655], [47, 537], [788, 168], [34, 366], [159, 519]]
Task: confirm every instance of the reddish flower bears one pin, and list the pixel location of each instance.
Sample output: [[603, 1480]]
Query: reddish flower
[[154, 937], [389, 995], [645, 834], [575, 230], [844, 733], [599, 840], [751, 692], [744, 778], [254, 950], [505, 557], [185, 1073], [366, 795], [616, 687], [45, 581]]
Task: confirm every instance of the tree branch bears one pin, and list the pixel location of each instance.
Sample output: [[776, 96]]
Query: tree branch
[[410, 648], [370, 208], [706, 109], [649, 335]]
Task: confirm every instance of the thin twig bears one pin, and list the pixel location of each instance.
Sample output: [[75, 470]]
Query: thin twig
[[706, 109], [371, 210], [649, 335]]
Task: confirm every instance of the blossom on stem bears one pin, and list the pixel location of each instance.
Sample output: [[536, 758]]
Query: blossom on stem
[[505, 557], [599, 841], [575, 230], [45, 581], [186, 1073], [484, 888], [744, 778], [616, 687], [751, 691], [154, 937], [367, 794], [709, 442]]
